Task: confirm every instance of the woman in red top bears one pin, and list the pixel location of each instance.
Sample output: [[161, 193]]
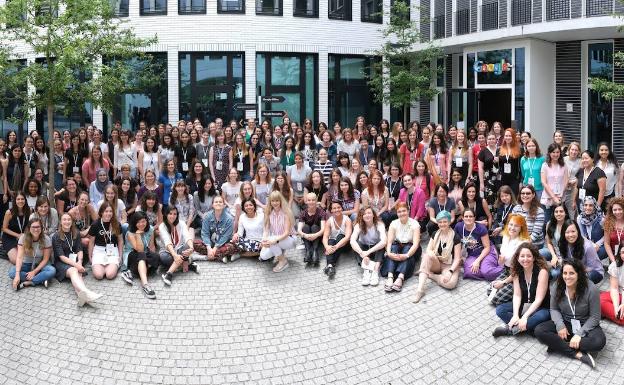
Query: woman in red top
[[408, 152], [614, 227], [476, 148], [92, 164]]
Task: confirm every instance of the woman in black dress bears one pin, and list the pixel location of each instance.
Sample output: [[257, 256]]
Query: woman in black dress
[[14, 225]]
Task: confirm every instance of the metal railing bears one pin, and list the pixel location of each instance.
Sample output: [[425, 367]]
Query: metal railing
[[489, 16], [438, 27], [557, 9], [599, 7], [521, 12], [462, 21]]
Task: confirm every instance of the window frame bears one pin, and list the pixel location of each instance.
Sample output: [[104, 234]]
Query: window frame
[[241, 3], [299, 13], [345, 15], [201, 11], [260, 11], [159, 12], [376, 17]]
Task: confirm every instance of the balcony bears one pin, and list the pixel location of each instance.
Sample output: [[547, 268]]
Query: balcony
[[462, 22]]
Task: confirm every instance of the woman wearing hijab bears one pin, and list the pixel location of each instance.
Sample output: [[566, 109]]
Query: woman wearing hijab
[[590, 221], [98, 186]]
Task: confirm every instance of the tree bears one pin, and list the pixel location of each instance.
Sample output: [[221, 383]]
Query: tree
[[407, 67], [609, 89], [83, 55]]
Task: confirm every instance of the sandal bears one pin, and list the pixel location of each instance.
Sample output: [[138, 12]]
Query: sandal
[[398, 286], [279, 269], [388, 284]]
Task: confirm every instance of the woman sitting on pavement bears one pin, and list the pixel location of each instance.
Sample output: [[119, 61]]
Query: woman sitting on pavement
[[442, 259], [34, 249], [248, 237], [402, 249], [481, 259], [574, 329], [311, 228], [574, 246], [105, 243], [368, 241], [529, 306], [68, 259], [176, 245], [140, 252], [590, 221], [336, 236], [611, 305], [278, 233], [216, 233]]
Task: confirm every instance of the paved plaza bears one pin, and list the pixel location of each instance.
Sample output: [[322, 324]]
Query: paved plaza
[[241, 323]]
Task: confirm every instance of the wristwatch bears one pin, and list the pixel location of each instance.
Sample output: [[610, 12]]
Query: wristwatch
[[452, 271]]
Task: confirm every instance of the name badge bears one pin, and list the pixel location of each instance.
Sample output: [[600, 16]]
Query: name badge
[[391, 201], [437, 168], [205, 162], [239, 166], [531, 181], [299, 186], [507, 168], [459, 161], [75, 169], [73, 257], [581, 193], [576, 326], [110, 250], [219, 165], [184, 166]]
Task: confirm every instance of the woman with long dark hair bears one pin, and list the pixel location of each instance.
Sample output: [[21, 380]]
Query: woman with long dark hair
[[436, 158], [140, 252], [14, 224], [16, 173], [573, 246], [177, 245]]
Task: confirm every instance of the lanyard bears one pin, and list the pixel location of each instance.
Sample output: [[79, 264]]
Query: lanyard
[[443, 208], [205, 150], [108, 235], [619, 233], [392, 188], [505, 213], [528, 285], [21, 224], [75, 159], [183, 154], [174, 236], [240, 156], [585, 177], [570, 303], [469, 234], [70, 243], [531, 164]]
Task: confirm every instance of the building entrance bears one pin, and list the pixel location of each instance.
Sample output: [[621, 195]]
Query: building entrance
[[495, 105]]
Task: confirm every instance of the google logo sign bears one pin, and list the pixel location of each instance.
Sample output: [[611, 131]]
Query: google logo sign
[[497, 68]]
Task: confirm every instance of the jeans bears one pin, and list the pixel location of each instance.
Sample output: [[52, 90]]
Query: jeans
[[333, 258], [547, 334], [504, 311], [46, 274], [311, 246], [152, 260], [166, 259], [406, 267], [377, 256]]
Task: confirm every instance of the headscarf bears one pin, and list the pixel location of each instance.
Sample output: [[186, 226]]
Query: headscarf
[[101, 186], [596, 216], [443, 215]]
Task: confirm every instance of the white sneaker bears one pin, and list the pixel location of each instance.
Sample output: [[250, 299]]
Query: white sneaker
[[234, 257], [492, 295], [374, 281], [366, 277]]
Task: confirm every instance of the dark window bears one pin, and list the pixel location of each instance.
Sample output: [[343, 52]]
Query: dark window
[[438, 19], [557, 9], [269, 7], [520, 12], [293, 76], [153, 7], [599, 109], [340, 9], [230, 6], [489, 16], [599, 7], [210, 84], [493, 67], [189, 7], [462, 21], [349, 94], [305, 8], [120, 7], [372, 11], [519, 69], [143, 102]]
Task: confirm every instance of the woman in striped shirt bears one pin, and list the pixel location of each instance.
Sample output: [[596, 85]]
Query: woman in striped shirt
[[278, 231]]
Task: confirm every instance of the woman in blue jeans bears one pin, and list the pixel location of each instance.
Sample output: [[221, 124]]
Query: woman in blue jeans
[[530, 303], [402, 250], [33, 254]]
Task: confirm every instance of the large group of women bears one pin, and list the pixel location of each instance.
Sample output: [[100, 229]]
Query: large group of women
[[543, 228]]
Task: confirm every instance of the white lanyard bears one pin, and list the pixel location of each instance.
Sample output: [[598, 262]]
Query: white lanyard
[[183, 155], [205, 149], [70, 243], [443, 208], [528, 285], [108, 235], [469, 234], [505, 213], [392, 188], [21, 224], [585, 177], [570, 303], [75, 159], [240, 156]]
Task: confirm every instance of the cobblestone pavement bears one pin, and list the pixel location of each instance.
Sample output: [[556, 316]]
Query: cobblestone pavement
[[241, 323]]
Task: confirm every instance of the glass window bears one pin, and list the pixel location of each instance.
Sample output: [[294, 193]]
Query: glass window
[[340, 9], [230, 6], [210, 85], [153, 7], [349, 94], [147, 103], [120, 7], [372, 11], [305, 8], [186, 7], [293, 76], [519, 89], [599, 109], [269, 7], [493, 67]]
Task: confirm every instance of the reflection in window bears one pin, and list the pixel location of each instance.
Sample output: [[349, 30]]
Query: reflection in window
[[599, 110], [340, 9], [305, 8], [191, 6], [210, 85], [230, 6], [153, 7], [372, 11], [493, 67], [519, 89], [269, 7], [120, 7]]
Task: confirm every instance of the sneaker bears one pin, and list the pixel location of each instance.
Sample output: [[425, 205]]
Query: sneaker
[[127, 276], [45, 283], [149, 292], [193, 267], [587, 359], [374, 281], [501, 331], [167, 277], [234, 257], [225, 259], [331, 271], [492, 295], [366, 276]]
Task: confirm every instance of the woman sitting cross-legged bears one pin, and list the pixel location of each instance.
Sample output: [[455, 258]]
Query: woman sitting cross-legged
[[481, 260], [529, 306], [442, 259], [336, 236], [68, 258], [611, 305], [573, 246], [140, 252], [574, 329], [250, 226], [216, 233], [368, 240], [33, 254], [311, 227], [176, 245], [402, 249]]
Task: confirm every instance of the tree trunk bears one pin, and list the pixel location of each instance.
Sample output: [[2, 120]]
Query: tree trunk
[[51, 165], [405, 116]]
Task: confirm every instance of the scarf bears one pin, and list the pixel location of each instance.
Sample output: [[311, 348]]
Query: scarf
[[447, 252], [100, 186], [595, 216]]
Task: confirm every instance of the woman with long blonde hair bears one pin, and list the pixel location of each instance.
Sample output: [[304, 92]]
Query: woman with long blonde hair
[[278, 231]]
